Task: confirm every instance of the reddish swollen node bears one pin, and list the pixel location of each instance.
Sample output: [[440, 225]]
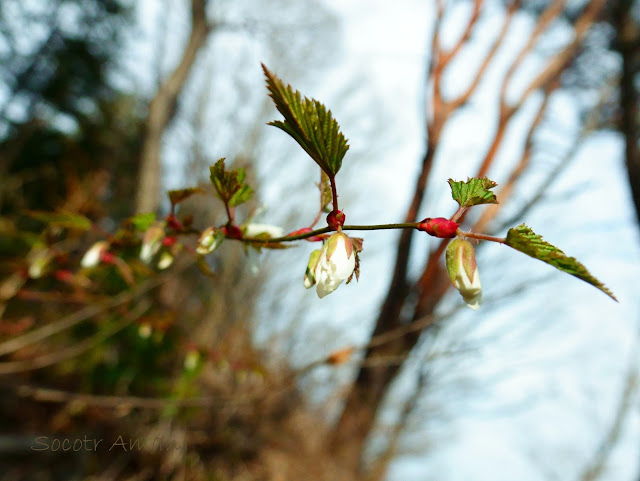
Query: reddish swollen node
[[439, 227], [335, 219]]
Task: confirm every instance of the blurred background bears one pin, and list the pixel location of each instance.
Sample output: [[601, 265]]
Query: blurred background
[[226, 368]]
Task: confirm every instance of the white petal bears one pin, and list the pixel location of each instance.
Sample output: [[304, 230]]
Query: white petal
[[91, 258], [253, 230], [330, 273]]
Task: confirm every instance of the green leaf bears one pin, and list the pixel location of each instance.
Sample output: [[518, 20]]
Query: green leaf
[[142, 222], [230, 185], [309, 123], [473, 192], [177, 196], [241, 196], [62, 219], [523, 239]]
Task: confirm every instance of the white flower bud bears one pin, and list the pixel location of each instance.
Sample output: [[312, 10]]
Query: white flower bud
[[166, 259], [39, 258], [337, 262], [463, 271], [151, 243], [209, 240], [93, 255]]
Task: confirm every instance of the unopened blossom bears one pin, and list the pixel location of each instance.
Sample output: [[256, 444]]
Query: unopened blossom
[[94, 254], [463, 271], [166, 259], [39, 258], [151, 243], [336, 263], [209, 240]]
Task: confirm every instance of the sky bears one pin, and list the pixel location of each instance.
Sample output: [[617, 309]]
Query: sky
[[543, 371]]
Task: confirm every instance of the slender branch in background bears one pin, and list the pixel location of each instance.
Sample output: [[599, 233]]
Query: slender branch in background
[[507, 189], [162, 109], [591, 123], [78, 348], [497, 43], [88, 312], [597, 463], [371, 384]]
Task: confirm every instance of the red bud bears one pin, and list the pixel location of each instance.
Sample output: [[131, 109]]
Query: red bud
[[173, 222], [169, 241], [232, 231], [439, 227], [335, 219], [108, 258], [63, 275]]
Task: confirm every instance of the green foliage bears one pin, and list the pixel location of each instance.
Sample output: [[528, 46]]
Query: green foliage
[[523, 239], [309, 123], [62, 219], [141, 222], [473, 192], [230, 185]]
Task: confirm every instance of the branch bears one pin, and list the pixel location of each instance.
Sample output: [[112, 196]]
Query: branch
[[594, 469]]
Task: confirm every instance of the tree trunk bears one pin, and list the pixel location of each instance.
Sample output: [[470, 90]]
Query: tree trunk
[[162, 110], [628, 44]]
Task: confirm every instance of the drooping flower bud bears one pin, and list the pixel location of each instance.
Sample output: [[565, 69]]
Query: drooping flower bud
[[93, 255], [151, 243], [463, 271], [336, 263], [439, 227], [309, 275], [166, 259], [336, 219], [39, 259], [209, 240]]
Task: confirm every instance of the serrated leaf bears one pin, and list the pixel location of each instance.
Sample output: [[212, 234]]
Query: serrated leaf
[[309, 123], [142, 222], [230, 185], [62, 219], [241, 196], [473, 192], [523, 239], [177, 196]]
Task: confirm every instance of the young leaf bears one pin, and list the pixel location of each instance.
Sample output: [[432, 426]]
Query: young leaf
[[177, 196], [230, 185], [523, 239], [62, 219], [473, 192], [141, 222], [309, 123]]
